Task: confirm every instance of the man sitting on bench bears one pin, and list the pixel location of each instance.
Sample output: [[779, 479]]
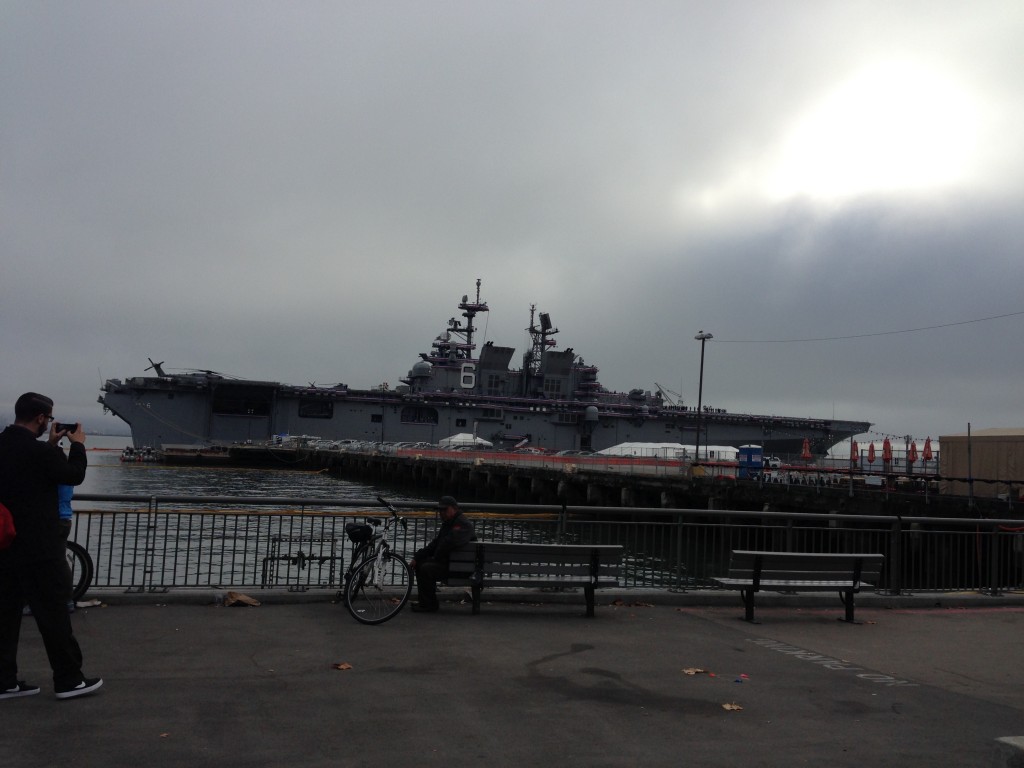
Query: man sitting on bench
[[430, 564]]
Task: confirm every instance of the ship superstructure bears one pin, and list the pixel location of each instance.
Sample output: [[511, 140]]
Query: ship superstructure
[[553, 401]]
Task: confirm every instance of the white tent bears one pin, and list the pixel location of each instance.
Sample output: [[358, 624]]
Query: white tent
[[673, 451], [648, 450], [463, 438]]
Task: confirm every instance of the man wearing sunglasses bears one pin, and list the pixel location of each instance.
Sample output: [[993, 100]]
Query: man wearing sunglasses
[[33, 569]]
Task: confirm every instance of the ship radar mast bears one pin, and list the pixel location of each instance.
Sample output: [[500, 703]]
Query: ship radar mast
[[469, 311], [540, 340], [456, 342]]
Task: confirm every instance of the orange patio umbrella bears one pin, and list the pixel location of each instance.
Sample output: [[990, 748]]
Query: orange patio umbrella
[[926, 454], [806, 452], [854, 451], [871, 453], [912, 455], [886, 450]]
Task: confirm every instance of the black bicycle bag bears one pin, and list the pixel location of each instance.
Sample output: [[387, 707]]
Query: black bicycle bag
[[358, 532]]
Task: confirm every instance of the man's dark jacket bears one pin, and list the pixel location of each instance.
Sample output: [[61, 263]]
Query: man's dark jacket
[[30, 471], [450, 536]]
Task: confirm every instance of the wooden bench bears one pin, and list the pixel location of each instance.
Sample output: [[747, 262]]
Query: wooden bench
[[751, 572], [483, 564]]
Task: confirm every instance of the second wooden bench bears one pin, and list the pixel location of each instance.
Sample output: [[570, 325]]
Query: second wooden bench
[[752, 571]]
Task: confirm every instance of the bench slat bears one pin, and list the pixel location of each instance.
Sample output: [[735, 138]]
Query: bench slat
[[493, 568], [538, 552], [796, 585], [821, 574], [538, 581], [569, 562], [802, 563], [512, 546]]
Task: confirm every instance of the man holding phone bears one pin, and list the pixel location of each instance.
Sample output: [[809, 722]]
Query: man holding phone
[[33, 569]]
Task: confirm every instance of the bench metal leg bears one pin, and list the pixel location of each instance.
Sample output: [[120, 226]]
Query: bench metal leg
[[748, 604], [476, 598], [589, 590], [847, 598]]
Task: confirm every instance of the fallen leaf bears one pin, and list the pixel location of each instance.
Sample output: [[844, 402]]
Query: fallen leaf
[[732, 707], [693, 670], [237, 598], [342, 666]]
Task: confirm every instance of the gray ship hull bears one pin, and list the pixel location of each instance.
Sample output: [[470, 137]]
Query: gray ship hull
[[553, 402]]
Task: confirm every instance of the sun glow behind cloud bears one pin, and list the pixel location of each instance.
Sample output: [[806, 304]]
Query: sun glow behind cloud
[[889, 128], [893, 129]]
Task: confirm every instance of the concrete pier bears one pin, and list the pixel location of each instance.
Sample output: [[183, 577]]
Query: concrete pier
[[518, 480]]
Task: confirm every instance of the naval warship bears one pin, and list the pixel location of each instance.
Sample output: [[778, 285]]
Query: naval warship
[[554, 401]]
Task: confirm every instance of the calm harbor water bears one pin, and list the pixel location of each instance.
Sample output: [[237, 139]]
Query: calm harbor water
[[107, 474]]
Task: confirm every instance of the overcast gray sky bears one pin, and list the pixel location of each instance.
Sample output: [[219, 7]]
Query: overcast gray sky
[[303, 191]]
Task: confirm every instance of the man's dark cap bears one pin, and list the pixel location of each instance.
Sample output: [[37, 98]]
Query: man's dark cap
[[447, 501], [31, 404]]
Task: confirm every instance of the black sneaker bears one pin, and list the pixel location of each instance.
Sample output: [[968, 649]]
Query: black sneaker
[[85, 687], [21, 688]]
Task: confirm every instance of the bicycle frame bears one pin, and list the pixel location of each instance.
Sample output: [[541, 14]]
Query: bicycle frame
[[378, 544]]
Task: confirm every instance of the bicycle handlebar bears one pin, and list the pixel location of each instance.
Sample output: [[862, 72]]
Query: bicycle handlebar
[[394, 512]]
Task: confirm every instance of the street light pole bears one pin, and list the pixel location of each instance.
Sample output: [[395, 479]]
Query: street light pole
[[702, 337]]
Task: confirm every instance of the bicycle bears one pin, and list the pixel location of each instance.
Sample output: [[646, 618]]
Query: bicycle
[[377, 583], [80, 564]]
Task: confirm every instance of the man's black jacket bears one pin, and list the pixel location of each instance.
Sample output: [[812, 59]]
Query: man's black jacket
[[450, 536], [30, 471]]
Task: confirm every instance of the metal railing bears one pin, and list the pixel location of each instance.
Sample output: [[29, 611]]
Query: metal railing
[[178, 542]]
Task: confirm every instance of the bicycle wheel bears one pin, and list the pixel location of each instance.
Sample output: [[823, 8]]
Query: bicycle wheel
[[358, 557], [81, 569], [378, 588]]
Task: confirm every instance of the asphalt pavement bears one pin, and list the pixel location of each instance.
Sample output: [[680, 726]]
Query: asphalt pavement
[[655, 679]]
